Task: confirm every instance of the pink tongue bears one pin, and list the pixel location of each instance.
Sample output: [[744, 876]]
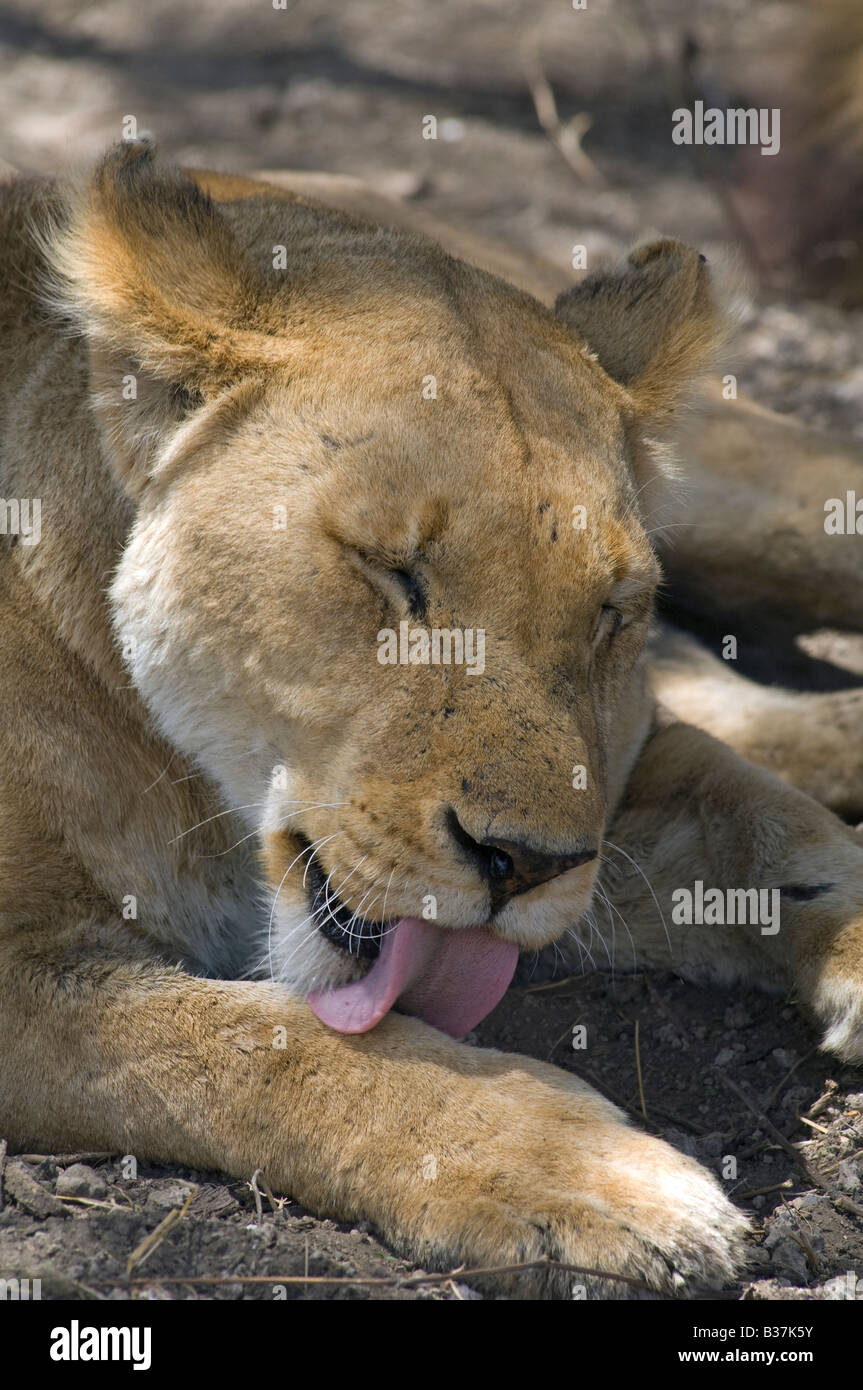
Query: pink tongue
[[451, 978]]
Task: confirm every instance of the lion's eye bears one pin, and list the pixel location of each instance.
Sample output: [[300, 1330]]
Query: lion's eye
[[392, 580], [413, 590], [612, 620]]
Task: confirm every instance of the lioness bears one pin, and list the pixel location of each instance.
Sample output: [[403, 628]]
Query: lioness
[[256, 880]]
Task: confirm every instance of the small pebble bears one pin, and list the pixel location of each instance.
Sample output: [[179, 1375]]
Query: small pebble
[[81, 1181]]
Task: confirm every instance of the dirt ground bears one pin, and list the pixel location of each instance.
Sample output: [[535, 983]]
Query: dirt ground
[[243, 86]]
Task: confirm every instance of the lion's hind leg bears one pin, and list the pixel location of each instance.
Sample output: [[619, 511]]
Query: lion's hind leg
[[814, 741]]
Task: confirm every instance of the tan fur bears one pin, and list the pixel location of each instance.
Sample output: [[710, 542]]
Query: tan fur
[[810, 740], [250, 650]]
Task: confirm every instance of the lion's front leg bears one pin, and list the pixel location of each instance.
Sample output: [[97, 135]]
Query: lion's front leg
[[457, 1156], [722, 871]]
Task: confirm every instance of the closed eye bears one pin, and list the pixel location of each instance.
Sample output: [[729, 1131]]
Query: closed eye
[[613, 619], [632, 606], [413, 590], [396, 582], [609, 623]]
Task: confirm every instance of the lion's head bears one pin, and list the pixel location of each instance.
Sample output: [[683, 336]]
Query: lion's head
[[389, 580]]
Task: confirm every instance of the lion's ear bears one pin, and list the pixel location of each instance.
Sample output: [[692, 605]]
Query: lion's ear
[[653, 324], [150, 273]]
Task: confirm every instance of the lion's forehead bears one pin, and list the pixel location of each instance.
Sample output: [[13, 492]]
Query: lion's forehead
[[502, 518], [459, 435]]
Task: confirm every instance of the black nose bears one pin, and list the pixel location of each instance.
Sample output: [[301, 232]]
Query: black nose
[[511, 867]]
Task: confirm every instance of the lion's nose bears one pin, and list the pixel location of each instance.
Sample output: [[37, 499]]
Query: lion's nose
[[514, 866]]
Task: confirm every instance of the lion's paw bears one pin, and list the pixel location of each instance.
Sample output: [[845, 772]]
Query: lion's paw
[[546, 1176]]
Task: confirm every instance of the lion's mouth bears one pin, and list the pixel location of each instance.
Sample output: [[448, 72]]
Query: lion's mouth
[[357, 935], [451, 977]]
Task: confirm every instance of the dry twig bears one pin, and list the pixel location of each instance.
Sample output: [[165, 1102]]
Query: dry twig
[[567, 137], [156, 1236], [408, 1281]]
